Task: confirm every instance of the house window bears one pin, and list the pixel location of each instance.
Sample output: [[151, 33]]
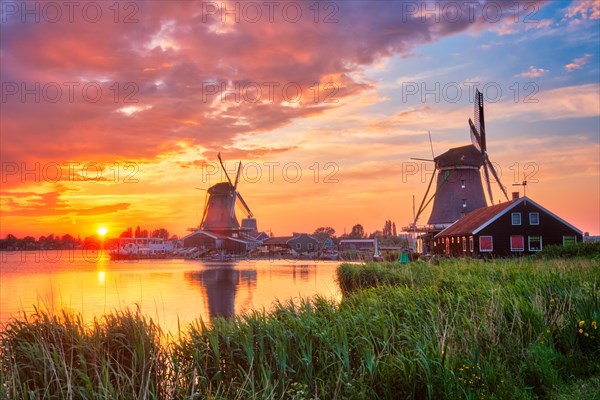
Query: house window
[[464, 203], [471, 244], [310, 246], [569, 240], [535, 243], [516, 218], [517, 243], [462, 214], [534, 218], [447, 246], [464, 243], [452, 240], [462, 183], [486, 243], [298, 246]]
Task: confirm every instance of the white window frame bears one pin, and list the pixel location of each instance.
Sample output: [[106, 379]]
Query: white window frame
[[569, 236], [471, 244], [512, 218], [486, 251], [309, 246], [464, 244], [463, 183], [464, 203], [298, 246], [517, 249], [529, 243], [538, 218]]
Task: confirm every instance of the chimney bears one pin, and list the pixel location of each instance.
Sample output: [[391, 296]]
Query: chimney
[[515, 195]]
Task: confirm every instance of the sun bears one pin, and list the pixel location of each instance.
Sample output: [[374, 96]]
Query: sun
[[102, 231]]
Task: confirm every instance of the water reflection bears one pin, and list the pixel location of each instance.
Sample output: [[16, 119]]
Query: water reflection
[[220, 284], [172, 292]]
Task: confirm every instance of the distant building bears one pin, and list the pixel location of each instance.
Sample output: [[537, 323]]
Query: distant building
[[204, 240], [516, 227], [300, 243], [357, 244]]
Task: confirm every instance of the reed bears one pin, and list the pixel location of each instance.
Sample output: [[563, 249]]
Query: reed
[[518, 329]]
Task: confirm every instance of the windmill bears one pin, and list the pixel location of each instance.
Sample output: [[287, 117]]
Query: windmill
[[219, 210], [459, 188]]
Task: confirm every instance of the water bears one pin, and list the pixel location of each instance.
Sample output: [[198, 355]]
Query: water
[[170, 291]]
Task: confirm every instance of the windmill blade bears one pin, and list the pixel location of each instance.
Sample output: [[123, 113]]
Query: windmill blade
[[205, 209], [475, 137], [487, 181], [237, 176], [487, 161], [421, 206], [480, 119], [224, 170], [431, 144], [232, 212], [245, 206]]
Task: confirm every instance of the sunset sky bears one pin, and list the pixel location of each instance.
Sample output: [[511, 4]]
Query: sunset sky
[[112, 116]]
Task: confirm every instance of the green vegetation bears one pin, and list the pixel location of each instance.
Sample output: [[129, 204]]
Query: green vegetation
[[507, 329], [586, 249]]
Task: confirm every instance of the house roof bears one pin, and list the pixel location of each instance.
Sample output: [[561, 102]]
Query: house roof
[[278, 240], [283, 240], [476, 220], [357, 241], [201, 232]]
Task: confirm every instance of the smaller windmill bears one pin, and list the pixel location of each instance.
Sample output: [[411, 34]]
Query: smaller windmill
[[219, 210]]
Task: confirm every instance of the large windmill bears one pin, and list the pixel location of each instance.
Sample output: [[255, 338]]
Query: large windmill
[[459, 188], [219, 211]]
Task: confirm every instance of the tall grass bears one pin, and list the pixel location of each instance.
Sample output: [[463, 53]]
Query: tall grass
[[460, 329]]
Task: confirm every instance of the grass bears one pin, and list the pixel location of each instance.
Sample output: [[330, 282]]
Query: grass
[[506, 329]]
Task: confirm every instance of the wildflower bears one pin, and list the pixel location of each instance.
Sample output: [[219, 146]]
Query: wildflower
[[586, 334], [594, 325], [581, 323], [581, 331]]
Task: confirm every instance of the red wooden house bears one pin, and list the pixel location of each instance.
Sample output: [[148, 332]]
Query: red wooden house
[[516, 227]]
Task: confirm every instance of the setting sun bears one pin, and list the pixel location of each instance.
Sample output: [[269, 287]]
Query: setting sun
[[102, 231]]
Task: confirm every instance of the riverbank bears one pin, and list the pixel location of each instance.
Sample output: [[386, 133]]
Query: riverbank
[[518, 329]]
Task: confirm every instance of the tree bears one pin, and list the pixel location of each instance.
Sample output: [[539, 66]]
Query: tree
[[138, 232], [323, 233], [127, 233], [11, 240], [161, 233], [325, 230], [358, 232]]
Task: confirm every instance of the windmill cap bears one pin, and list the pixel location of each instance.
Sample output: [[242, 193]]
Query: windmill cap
[[221, 188], [457, 156]]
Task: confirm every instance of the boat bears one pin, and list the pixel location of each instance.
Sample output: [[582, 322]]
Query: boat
[[141, 248]]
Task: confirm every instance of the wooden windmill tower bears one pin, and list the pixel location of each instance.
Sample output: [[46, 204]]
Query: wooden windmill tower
[[459, 188], [219, 211]]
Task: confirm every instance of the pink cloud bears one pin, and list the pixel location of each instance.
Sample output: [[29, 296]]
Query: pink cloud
[[191, 73], [582, 10], [578, 63]]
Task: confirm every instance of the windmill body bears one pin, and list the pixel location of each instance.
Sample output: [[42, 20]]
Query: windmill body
[[459, 189], [218, 216]]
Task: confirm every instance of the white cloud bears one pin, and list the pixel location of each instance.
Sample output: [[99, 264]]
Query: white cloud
[[533, 72]]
